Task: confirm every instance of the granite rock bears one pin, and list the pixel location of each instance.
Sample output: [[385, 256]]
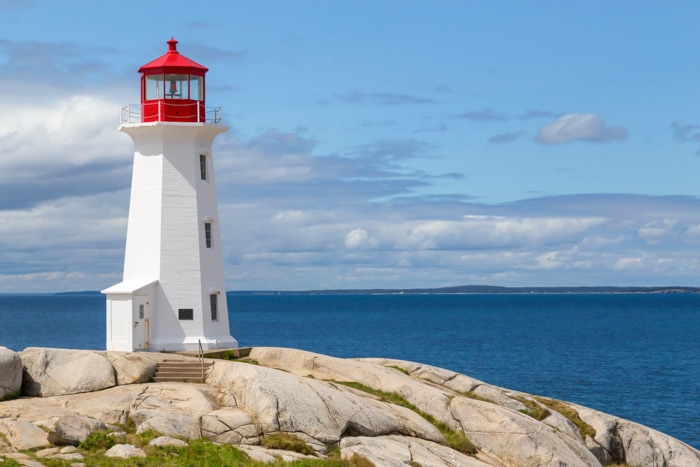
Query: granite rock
[[303, 394], [125, 451], [72, 429], [10, 373], [53, 372]]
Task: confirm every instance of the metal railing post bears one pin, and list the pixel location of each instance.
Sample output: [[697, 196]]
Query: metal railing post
[[201, 357]]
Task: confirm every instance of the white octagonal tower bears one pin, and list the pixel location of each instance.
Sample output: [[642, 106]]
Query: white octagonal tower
[[173, 295]]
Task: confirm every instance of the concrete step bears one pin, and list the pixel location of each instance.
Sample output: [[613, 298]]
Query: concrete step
[[181, 371], [177, 379], [198, 366], [197, 372]]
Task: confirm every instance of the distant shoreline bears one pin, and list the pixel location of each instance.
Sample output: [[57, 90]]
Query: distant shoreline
[[483, 289], [461, 289]]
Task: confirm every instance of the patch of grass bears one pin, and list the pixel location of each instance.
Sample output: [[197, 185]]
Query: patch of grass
[[287, 442], [477, 397], [248, 360], [97, 441], [333, 452], [200, 453], [358, 460], [533, 409], [415, 464], [566, 410], [128, 427], [400, 369], [203, 452], [233, 355], [456, 440], [143, 438], [11, 396], [6, 462]]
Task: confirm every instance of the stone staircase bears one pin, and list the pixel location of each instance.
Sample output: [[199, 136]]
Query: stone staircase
[[181, 371]]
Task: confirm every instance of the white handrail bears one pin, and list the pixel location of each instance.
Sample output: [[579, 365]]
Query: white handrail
[[201, 357], [131, 113]]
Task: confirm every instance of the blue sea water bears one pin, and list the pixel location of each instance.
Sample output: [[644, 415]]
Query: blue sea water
[[634, 356]]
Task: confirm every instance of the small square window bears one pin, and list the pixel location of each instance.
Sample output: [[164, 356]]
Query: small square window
[[207, 234], [203, 166], [185, 314], [213, 300]]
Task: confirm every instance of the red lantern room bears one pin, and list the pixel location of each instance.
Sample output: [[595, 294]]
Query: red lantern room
[[172, 88]]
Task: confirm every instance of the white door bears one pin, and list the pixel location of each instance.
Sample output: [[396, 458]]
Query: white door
[[141, 323]]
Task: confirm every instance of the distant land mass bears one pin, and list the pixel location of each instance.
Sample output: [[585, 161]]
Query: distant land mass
[[485, 289], [459, 289]]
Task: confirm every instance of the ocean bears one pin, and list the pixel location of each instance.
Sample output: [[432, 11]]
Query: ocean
[[636, 356]]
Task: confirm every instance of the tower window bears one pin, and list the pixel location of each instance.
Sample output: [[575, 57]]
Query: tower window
[[207, 234], [214, 301], [203, 166], [185, 314]]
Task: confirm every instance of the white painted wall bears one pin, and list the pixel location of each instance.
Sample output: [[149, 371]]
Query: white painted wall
[[165, 235]]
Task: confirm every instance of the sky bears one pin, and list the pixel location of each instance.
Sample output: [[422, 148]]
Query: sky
[[372, 144]]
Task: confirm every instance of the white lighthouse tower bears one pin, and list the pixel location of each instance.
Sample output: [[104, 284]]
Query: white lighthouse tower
[[173, 295]]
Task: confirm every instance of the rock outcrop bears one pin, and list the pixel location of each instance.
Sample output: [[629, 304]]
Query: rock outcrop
[[10, 373], [72, 429], [52, 372], [392, 412]]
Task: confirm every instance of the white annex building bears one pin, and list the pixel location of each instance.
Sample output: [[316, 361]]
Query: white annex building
[[173, 295]]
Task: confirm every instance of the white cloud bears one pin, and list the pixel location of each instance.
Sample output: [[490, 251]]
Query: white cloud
[[627, 263], [655, 231], [579, 127], [693, 232], [487, 232], [359, 238], [68, 146]]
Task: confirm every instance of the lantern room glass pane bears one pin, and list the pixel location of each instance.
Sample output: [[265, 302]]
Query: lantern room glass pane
[[175, 86], [154, 87], [196, 88]]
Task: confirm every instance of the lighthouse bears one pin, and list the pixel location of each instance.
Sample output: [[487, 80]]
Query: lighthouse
[[172, 296]]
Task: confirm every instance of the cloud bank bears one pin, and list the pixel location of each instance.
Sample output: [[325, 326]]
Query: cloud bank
[[296, 215]]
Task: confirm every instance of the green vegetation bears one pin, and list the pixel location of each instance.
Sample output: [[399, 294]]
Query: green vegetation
[[286, 441], [558, 406], [11, 396], [358, 460], [200, 453], [456, 440], [98, 441], [230, 355], [400, 369], [475, 396], [533, 409], [9, 462]]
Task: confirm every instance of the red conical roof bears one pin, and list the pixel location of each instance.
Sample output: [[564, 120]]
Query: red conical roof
[[173, 62]]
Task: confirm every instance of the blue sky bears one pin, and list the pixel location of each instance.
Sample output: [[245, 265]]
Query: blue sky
[[372, 143]]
